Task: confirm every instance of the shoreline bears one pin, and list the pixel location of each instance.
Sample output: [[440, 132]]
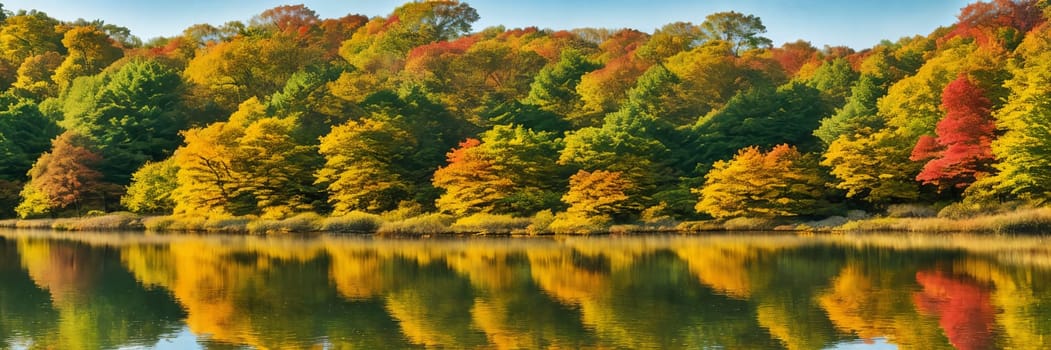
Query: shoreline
[[1026, 221]]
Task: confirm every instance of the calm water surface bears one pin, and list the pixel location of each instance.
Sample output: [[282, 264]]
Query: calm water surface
[[93, 291]]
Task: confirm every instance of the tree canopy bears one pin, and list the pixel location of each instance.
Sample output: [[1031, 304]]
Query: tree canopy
[[417, 110]]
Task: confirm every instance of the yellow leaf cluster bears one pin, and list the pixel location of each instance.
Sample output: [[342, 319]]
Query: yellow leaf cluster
[[782, 182]]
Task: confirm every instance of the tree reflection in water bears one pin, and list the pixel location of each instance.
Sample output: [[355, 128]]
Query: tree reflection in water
[[87, 291]]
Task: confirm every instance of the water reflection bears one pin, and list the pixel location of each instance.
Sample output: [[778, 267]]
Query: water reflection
[[85, 298], [91, 291]]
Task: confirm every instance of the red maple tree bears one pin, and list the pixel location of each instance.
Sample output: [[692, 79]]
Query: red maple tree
[[961, 152], [963, 306]]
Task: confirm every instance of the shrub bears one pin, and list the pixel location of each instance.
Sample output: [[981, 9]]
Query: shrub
[[236, 224], [793, 185], [960, 210], [566, 223], [63, 224], [263, 226], [420, 225], [657, 215], [151, 188], [406, 210], [541, 222], [911, 211], [969, 209], [875, 224], [353, 222], [112, 221], [490, 224], [306, 222], [187, 223], [698, 226], [750, 224], [158, 223]]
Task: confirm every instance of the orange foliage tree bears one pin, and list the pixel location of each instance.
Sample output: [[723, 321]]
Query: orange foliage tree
[[511, 170], [470, 181], [602, 194], [793, 56], [65, 176]]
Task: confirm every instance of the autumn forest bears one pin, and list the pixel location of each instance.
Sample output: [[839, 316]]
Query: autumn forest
[[418, 116]]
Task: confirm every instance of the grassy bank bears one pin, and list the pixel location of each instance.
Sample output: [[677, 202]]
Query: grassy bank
[[1021, 221], [108, 222], [395, 224], [353, 223], [1024, 221]]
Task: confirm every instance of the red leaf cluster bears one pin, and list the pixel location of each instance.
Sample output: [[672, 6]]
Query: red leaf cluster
[[792, 56], [421, 57], [460, 154], [983, 20], [962, 151], [622, 43], [965, 311], [296, 19]]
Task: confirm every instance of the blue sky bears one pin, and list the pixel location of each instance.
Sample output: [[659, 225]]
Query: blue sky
[[855, 23]]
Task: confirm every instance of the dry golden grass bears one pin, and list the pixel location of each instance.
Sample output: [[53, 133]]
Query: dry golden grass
[[1022, 221], [353, 222], [421, 225], [491, 224]]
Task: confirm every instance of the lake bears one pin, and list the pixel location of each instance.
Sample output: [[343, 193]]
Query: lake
[[732, 291]]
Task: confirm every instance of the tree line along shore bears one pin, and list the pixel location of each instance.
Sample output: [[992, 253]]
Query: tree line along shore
[[417, 122]]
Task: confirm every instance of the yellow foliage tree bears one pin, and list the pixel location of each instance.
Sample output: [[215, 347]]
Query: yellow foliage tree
[[28, 34], [206, 177], [360, 157], [231, 72], [512, 168], [869, 166], [230, 168], [277, 171], [90, 50], [782, 182], [709, 75], [1024, 170], [151, 188], [34, 76]]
